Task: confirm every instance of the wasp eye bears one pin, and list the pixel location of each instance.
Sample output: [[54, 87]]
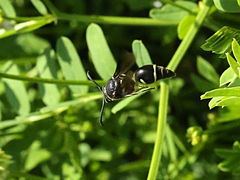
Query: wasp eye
[[111, 88]]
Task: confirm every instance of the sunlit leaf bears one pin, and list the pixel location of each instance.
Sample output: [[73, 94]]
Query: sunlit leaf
[[230, 101], [230, 6], [227, 76], [71, 65], [39, 6], [8, 8], [233, 64], [15, 91], [233, 91], [207, 70], [47, 68], [172, 13], [100, 53], [141, 53], [213, 102], [184, 25], [236, 50], [220, 42]]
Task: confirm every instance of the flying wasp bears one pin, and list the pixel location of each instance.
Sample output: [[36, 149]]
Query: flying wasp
[[125, 83]]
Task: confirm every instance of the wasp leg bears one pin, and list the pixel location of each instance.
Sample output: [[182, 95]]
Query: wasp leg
[[140, 90]]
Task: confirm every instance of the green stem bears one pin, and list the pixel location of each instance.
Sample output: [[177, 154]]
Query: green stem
[[23, 19], [164, 93], [50, 81], [157, 151], [128, 21], [49, 111]]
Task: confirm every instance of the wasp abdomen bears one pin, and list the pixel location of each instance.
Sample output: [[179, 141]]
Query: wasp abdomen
[[151, 73]]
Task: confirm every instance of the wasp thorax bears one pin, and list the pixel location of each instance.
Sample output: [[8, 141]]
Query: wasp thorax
[[119, 87]]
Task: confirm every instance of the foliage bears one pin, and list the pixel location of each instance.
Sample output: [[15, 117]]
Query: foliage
[[49, 109]]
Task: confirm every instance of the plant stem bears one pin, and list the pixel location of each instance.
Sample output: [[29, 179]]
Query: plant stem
[[130, 21], [50, 81], [177, 57], [164, 93], [117, 20], [178, 6], [162, 116]]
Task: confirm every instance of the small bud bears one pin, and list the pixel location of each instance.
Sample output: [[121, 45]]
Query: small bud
[[195, 135]]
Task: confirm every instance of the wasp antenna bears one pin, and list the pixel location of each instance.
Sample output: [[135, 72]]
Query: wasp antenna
[[101, 112], [91, 79]]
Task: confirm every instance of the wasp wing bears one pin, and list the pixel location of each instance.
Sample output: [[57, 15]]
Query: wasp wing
[[126, 62]]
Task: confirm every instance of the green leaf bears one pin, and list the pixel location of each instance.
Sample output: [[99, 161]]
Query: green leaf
[[71, 147], [207, 70], [101, 155], [15, 91], [69, 172], [39, 6], [47, 68], [236, 50], [233, 64], [84, 149], [235, 82], [238, 1], [184, 26], [230, 6], [8, 8], [141, 53], [233, 91], [36, 155], [35, 44], [227, 76], [230, 101], [220, 42], [101, 55], [71, 65], [50, 111], [231, 158], [213, 102], [25, 26], [201, 84], [123, 103], [172, 13], [231, 114]]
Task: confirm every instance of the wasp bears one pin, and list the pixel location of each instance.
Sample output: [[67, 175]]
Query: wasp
[[125, 83]]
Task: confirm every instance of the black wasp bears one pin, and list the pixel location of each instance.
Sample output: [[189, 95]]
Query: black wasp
[[125, 83]]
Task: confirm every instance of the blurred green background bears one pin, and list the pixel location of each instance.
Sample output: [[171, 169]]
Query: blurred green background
[[64, 139]]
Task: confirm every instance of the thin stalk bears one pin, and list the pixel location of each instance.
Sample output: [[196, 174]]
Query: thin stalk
[[164, 93], [178, 6], [157, 151], [50, 81], [130, 21], [117, 20]]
